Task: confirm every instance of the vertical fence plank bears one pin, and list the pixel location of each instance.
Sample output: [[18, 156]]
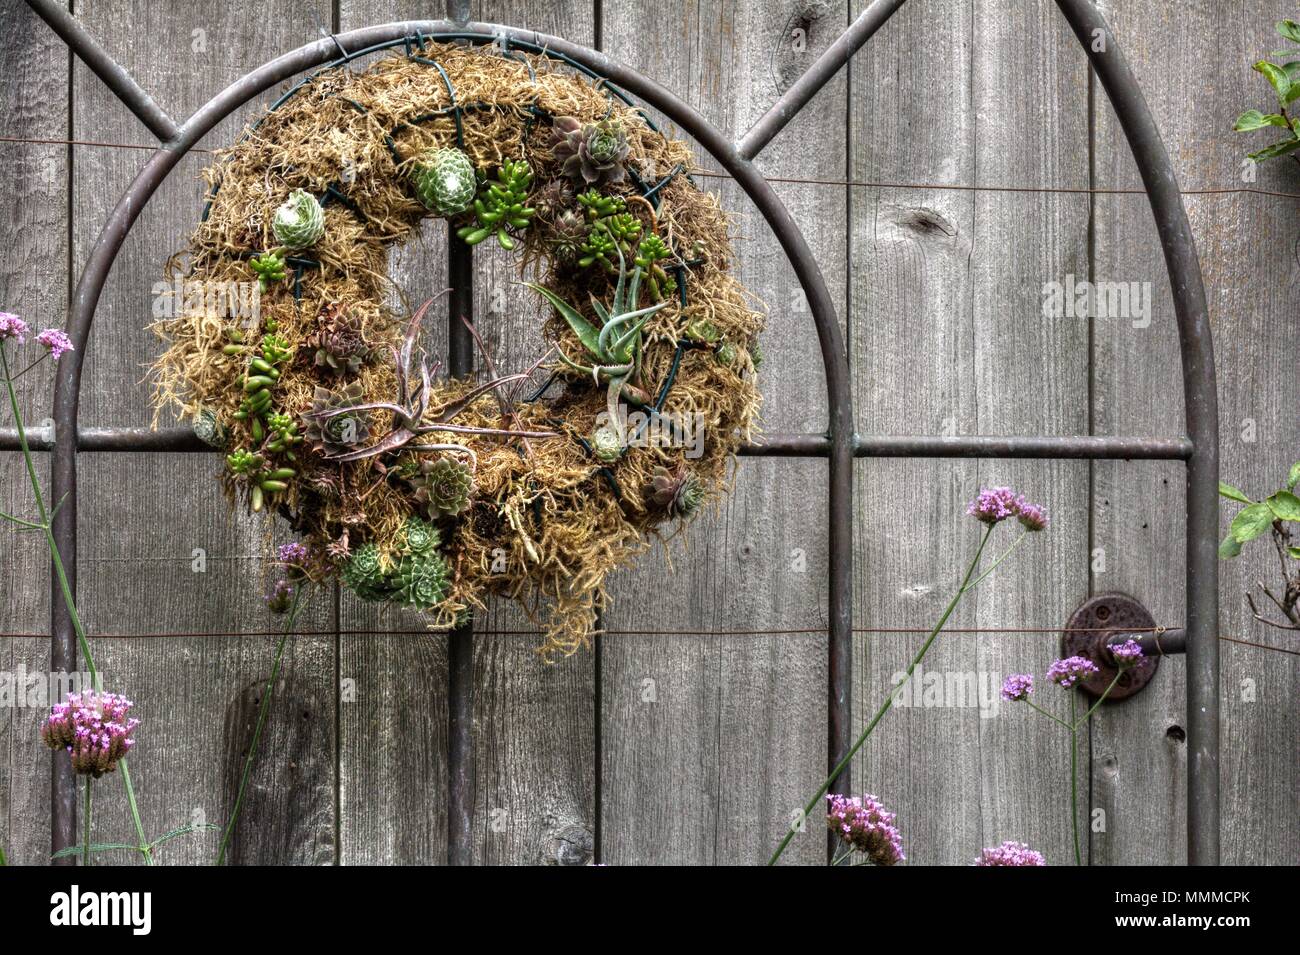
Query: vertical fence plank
[[711, 742], [1247, 247], [158, 551], [533, 722], [948, 338], [34, 210]]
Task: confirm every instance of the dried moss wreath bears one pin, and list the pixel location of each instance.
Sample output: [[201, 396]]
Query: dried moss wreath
[[412, 490]]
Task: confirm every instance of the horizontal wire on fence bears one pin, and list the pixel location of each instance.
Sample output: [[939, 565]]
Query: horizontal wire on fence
[[850, 183], [809, 631]]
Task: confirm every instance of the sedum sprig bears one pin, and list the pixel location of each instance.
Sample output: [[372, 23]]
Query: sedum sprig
[[501, 205]]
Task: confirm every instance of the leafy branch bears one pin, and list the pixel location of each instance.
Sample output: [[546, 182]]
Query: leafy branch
[[1275, 513], [1285, 80]]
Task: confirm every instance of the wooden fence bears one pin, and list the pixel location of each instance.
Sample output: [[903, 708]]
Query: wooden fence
[[698, 724]]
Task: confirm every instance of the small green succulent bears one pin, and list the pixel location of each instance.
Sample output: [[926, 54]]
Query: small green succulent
[[703, 332], [364, 573], [420, 536], [443, 487], [596, 205], [209, 429], [421, 581], [599, 249], [299, 222], [649, 254], [606, 443], [614, 347], [445, 181], [501, 205], [268, 267], [726, 354]]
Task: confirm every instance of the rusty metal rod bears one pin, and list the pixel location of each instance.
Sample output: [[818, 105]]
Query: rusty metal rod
[[1200, 401], [1161, 643], [460, 641], [115, 77], [815, 77], [776, 445]]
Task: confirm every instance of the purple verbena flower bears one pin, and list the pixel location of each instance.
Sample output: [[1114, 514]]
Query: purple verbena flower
[[293, 553], [1032, 516], [994, 505], [1067, 672], [1010, 853], [94, 729], [1017, 687], [866, 826], [56, 340], [1127, 654], [280, 599], [11, 326]]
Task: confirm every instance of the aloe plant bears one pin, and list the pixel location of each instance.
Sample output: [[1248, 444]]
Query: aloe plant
[[614, 348]]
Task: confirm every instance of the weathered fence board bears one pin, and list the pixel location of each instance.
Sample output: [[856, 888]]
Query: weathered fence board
[[674, 747], [710, 742], [1193, 63], [949, 339], [146, 519], [34, 213]]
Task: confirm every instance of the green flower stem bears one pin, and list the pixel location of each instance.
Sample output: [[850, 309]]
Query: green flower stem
[[85, 851], [1100, 700], [62, 575], [30, 367], [3, 860], [294, 609], [966, 585], [994, 566], [1074, 784], [1051, 716]]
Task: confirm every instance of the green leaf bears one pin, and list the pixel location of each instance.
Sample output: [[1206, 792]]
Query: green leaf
[[1228, 491], [1277, 149], [1250, 522], [1276, 76], [94, 848], [1293, 553], [1293, 476], [1230, 548], [586, 332], [183, 830], [1285, 506], [1289, 29], [1254, 119]]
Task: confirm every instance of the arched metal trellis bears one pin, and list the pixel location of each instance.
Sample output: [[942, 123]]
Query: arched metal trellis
[[840, 445]]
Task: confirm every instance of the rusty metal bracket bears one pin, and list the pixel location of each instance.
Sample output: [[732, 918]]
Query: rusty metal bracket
[[1109, 619]]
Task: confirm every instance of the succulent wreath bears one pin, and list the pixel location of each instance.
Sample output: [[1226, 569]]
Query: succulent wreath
[[432, 493]]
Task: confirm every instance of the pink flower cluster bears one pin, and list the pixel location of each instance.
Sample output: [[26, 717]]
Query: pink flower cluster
[[94, 728], [1010, 853], [1065, 673], [996, 504], [866, 826], [11, 326], [54, 339], [1127, 654], [1017, 687]]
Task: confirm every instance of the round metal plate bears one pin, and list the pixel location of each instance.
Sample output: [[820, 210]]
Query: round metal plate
[[1092, 625]]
